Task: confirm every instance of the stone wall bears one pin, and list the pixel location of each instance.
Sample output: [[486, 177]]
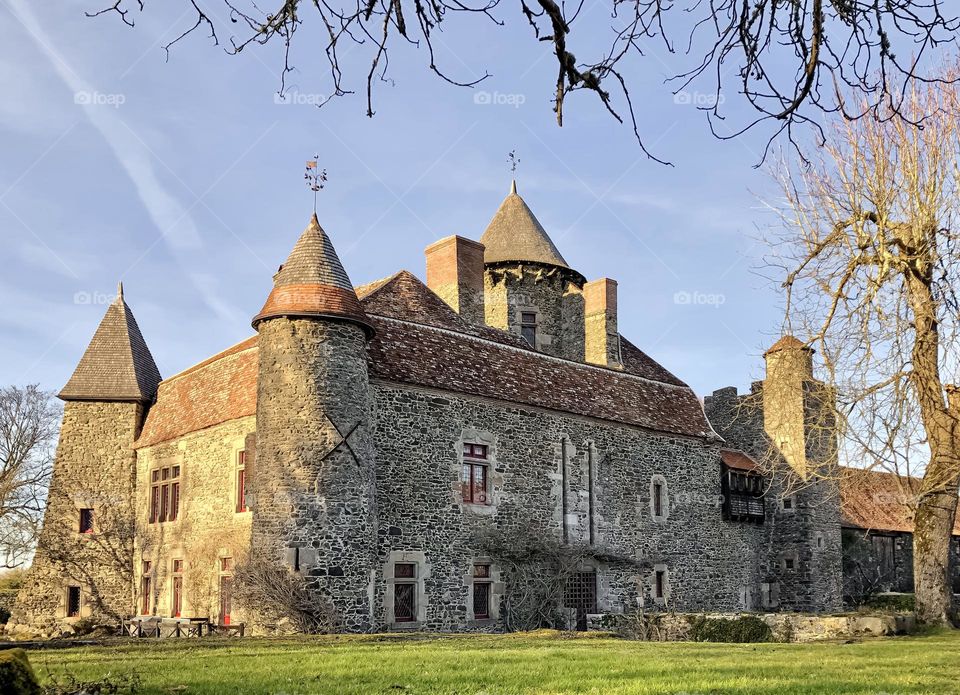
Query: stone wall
[[314, 504], [208, 526], [94, 469], [802, 570], [603, 488]]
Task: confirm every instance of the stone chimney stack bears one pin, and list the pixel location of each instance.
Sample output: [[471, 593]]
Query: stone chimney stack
[[455, 273], [602, 338]]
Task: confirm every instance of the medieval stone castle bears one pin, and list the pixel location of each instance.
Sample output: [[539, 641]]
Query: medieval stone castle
[[373, 440]]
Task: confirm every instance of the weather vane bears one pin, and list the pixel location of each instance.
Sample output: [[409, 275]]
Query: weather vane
[[315, 178], [514, 161]]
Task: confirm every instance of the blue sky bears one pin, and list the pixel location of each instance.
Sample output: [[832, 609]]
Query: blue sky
[[183, 179]]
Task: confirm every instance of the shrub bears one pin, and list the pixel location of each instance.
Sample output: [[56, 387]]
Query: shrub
[[746, 628], [892, 602], [16, 675]]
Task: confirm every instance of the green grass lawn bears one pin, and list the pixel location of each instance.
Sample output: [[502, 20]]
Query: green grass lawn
[[533, 663]]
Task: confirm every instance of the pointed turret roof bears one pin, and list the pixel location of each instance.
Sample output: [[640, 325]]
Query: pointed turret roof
[[117, 365], [313, 283], [515, 234], [788, 342]]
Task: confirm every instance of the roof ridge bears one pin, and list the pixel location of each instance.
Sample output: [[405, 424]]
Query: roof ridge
[[234, 349], [543, 355]]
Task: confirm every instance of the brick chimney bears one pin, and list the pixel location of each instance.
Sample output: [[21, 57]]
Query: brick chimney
[[601, 337], [455, 274]]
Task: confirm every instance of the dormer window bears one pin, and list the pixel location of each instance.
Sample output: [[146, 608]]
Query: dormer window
[[528, 327]]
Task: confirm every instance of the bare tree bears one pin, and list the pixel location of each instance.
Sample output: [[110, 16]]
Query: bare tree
[[29, 420], [871, 263], [786, 58]]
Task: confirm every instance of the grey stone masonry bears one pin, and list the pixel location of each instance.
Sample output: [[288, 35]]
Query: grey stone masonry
[[94, 469], [312, 494], [552, 295]]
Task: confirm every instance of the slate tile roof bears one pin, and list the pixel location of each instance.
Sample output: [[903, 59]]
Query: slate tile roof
[[117, 364], [879, 501], [420, 341], [787, 342], [515, 234]]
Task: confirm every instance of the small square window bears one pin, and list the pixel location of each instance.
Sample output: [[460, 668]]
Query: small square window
[[787, 503], [788, 563], [404, 570], [481, 571], [178, 566], [86, 521], [226, 564]]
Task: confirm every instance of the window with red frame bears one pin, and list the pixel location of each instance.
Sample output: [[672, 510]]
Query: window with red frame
[[146, 589], [177, 588], [474, 481], [164, 494], [86, 521], [242, 482], [226, 590]]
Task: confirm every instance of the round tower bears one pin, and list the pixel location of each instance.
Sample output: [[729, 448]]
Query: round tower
[[313, 485]]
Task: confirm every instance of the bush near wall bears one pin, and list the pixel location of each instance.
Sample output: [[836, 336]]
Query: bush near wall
[[16, 675], [746, 628], [905, 603]]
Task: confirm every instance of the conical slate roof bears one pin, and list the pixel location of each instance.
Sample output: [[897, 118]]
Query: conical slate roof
[[515, 234], [787, 342], [117, 365], [313, 283]]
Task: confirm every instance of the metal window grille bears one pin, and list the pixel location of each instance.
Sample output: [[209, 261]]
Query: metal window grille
[[404, 602], [581, 595], [481, 600], [73, 602]]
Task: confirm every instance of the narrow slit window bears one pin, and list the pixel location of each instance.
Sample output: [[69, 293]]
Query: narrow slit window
[[242, 482], [86, 521], [660, 581], [657, 498], [528, 327], [73, 602]]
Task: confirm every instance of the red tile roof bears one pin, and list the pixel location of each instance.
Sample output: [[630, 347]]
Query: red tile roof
[[217, 390], [738, 460], [879, 501], [421, 341]]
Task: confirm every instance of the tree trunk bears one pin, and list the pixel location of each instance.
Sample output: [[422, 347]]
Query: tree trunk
[[937, 503], [933, 528]]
